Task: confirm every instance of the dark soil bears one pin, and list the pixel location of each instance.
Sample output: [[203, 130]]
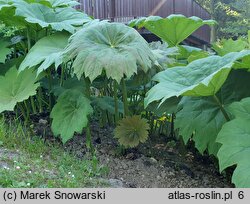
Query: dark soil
[[155, 164]]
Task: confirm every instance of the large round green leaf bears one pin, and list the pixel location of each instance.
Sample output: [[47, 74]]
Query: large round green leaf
[[235, 140], [173, 29], [16, 88], [70, 114], [113, 47], [201, 118], [58, 18], [202, 77], [47, 51]]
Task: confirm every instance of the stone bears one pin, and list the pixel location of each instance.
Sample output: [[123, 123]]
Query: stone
[[43, 122], [131, 156], [115, 183], [153, 160]]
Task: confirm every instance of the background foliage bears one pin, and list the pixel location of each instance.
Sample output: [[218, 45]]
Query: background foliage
[[233, 16]]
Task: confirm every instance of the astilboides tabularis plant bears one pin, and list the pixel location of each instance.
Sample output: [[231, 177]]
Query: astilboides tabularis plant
[[113, 50]]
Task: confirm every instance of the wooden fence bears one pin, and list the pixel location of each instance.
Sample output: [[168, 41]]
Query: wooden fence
[[126, 10]]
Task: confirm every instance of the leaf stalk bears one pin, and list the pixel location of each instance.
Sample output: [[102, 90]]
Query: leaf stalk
[[221, 108]]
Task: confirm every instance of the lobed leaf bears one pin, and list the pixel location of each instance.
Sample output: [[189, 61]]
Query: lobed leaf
[[235, 140], [16, 88], [131, 131], [58, 18], [111, 47], [201, 118], [70, 114], [173, 29], [226, 46], [47, 51], [202, 77]]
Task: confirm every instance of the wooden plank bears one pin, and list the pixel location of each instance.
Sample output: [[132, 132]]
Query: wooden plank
[[189, 8], [112, 7], [180, 7]]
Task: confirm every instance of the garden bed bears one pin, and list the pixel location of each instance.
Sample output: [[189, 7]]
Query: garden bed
[[157, 163]]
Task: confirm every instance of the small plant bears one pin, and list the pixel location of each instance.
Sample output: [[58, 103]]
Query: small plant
[[131, 131]]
